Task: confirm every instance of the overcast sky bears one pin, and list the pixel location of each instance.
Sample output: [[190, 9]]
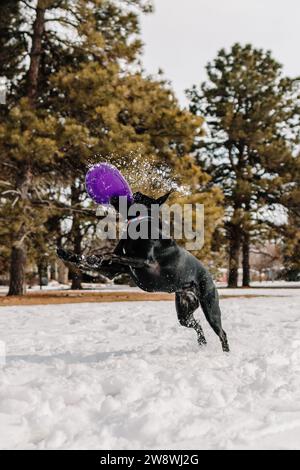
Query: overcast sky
[[183, 35]]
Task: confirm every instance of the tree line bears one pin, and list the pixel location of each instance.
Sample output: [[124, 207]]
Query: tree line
[[76, 93]]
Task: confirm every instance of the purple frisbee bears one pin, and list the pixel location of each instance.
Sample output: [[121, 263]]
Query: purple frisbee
[[104, 181]]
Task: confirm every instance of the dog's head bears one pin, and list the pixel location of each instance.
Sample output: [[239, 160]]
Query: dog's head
[[140, 199]]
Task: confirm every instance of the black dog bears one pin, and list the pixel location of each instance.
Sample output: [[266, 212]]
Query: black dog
[[160, 265]]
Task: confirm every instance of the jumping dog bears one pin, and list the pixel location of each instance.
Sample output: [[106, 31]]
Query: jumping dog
[[157, 264]]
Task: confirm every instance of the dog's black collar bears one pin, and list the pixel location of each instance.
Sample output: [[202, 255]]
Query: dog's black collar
[[138, 219]]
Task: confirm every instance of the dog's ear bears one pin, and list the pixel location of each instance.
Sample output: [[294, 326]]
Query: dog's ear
[[140, 198], [162, 199]]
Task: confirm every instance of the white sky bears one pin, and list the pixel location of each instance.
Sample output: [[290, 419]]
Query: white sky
[[183, 35]]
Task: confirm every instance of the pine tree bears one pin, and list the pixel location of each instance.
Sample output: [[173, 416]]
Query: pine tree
[[83, 92], [291, 232], [129, 119], [252, 113], [76, 91], [136, 123], [29, 134]]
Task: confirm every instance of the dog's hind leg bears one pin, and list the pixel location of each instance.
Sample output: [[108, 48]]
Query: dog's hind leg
[[186, 303], [210, 306]]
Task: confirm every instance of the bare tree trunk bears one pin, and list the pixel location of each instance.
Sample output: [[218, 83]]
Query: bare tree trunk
[[234, 255], [76, 281], [17, 280], [36, 50], [53, 271], [17, 271], [246, 259], [18, 254], [63, 272], [43, 271], [77, 276], [77, 237]]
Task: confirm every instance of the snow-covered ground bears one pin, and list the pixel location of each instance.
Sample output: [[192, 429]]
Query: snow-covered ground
[[126, 376], [111, 287]]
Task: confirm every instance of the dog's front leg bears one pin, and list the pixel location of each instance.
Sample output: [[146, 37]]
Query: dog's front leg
[[110, 264], [122, 260], [88, 264]]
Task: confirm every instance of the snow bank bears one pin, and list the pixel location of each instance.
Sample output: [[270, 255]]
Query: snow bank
[[126, 375]]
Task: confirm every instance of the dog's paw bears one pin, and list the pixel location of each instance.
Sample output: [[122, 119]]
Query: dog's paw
[[201, 341]]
